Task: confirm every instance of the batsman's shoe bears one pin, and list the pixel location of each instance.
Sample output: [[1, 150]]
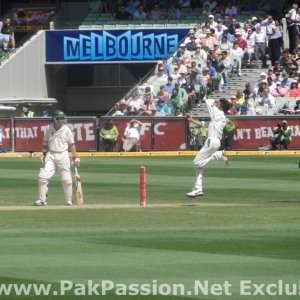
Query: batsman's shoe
[[195, 193], [69, 203], [39, 203]]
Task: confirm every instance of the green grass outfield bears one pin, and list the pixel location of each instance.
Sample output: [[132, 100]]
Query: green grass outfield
[[246, 227]]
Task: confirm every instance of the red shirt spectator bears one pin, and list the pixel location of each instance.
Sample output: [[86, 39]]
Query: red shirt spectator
[[294, 90]]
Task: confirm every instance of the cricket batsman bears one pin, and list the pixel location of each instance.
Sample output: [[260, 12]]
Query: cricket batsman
[[57, 139], [210, 151]]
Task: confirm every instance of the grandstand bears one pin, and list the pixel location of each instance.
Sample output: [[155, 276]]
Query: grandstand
[[86, 81]]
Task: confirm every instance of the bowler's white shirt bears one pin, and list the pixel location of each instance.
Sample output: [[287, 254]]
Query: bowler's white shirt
[[218, 120]]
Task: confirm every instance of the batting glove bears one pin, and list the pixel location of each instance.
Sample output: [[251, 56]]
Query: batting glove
[[76, 162]]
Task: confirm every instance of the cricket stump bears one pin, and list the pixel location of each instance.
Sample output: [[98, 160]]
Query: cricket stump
[[143, 186]]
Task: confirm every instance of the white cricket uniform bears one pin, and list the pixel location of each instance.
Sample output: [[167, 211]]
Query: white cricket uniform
[[57, 142], [210, 149]]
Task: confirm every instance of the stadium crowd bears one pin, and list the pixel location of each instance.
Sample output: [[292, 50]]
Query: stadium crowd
[[209, 57]]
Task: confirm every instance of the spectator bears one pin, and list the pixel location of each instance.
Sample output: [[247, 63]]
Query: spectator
[[247, 107], [242, 43], [169, 86], [185, 3], [164, 65], [297, 107], [148, 108], [206, 12], [130, 8], [211, 22], [8, 32], [220, 29], [175, 74], [131, 136], [225, 45], [260, 46], [292, 29], [259, 91], [163, 92], [192, 46], [250, 46], [268, 26], [134, 104], [206, 77], [231, 10], [267, 100], [121, 108], [275, 43], [26, 112], [122, 14], [212, 4], [277, 68], [234, 108], [233, 26], [227, 21], [219, 12], [248, 91], [162, 108], [284, 110], [282, 136], [161, 76], [186, 54], [200, 53], [108, 137], [239, 97], [294, 75], [177, 102], [244, 30], [208, 41], [237, 53], [278, 91], [156, 13], [189, 37], [254, 24], [140, 14], [174, 13], [190, 92], [294, 90]]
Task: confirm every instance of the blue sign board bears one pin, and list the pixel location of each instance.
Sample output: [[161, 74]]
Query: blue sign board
[[66, 46]]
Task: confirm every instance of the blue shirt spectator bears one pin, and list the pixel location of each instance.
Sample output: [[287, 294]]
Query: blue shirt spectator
[[169, 87]]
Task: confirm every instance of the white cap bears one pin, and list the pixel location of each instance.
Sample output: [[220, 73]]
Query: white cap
[[294, 81], [182, 45], [211, 16], [278, 82], [263, 74], [192, 31]]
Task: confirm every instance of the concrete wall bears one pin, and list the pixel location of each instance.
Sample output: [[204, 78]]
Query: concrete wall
[[23, 74]]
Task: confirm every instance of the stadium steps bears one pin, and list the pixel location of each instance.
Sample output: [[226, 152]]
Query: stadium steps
[[235, 83]]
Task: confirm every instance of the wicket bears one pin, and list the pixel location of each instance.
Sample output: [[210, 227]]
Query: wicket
[[143, 186]]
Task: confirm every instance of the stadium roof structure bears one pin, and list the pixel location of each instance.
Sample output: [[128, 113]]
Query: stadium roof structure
[[14, 101]]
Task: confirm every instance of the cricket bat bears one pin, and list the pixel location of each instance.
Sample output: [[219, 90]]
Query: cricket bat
[[79, 194]]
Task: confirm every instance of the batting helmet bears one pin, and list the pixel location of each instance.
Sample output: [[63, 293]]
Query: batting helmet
[[58, 114]]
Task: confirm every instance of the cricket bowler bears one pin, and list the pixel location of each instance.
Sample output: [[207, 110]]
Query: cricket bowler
[[58, 138], [210, 151]]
